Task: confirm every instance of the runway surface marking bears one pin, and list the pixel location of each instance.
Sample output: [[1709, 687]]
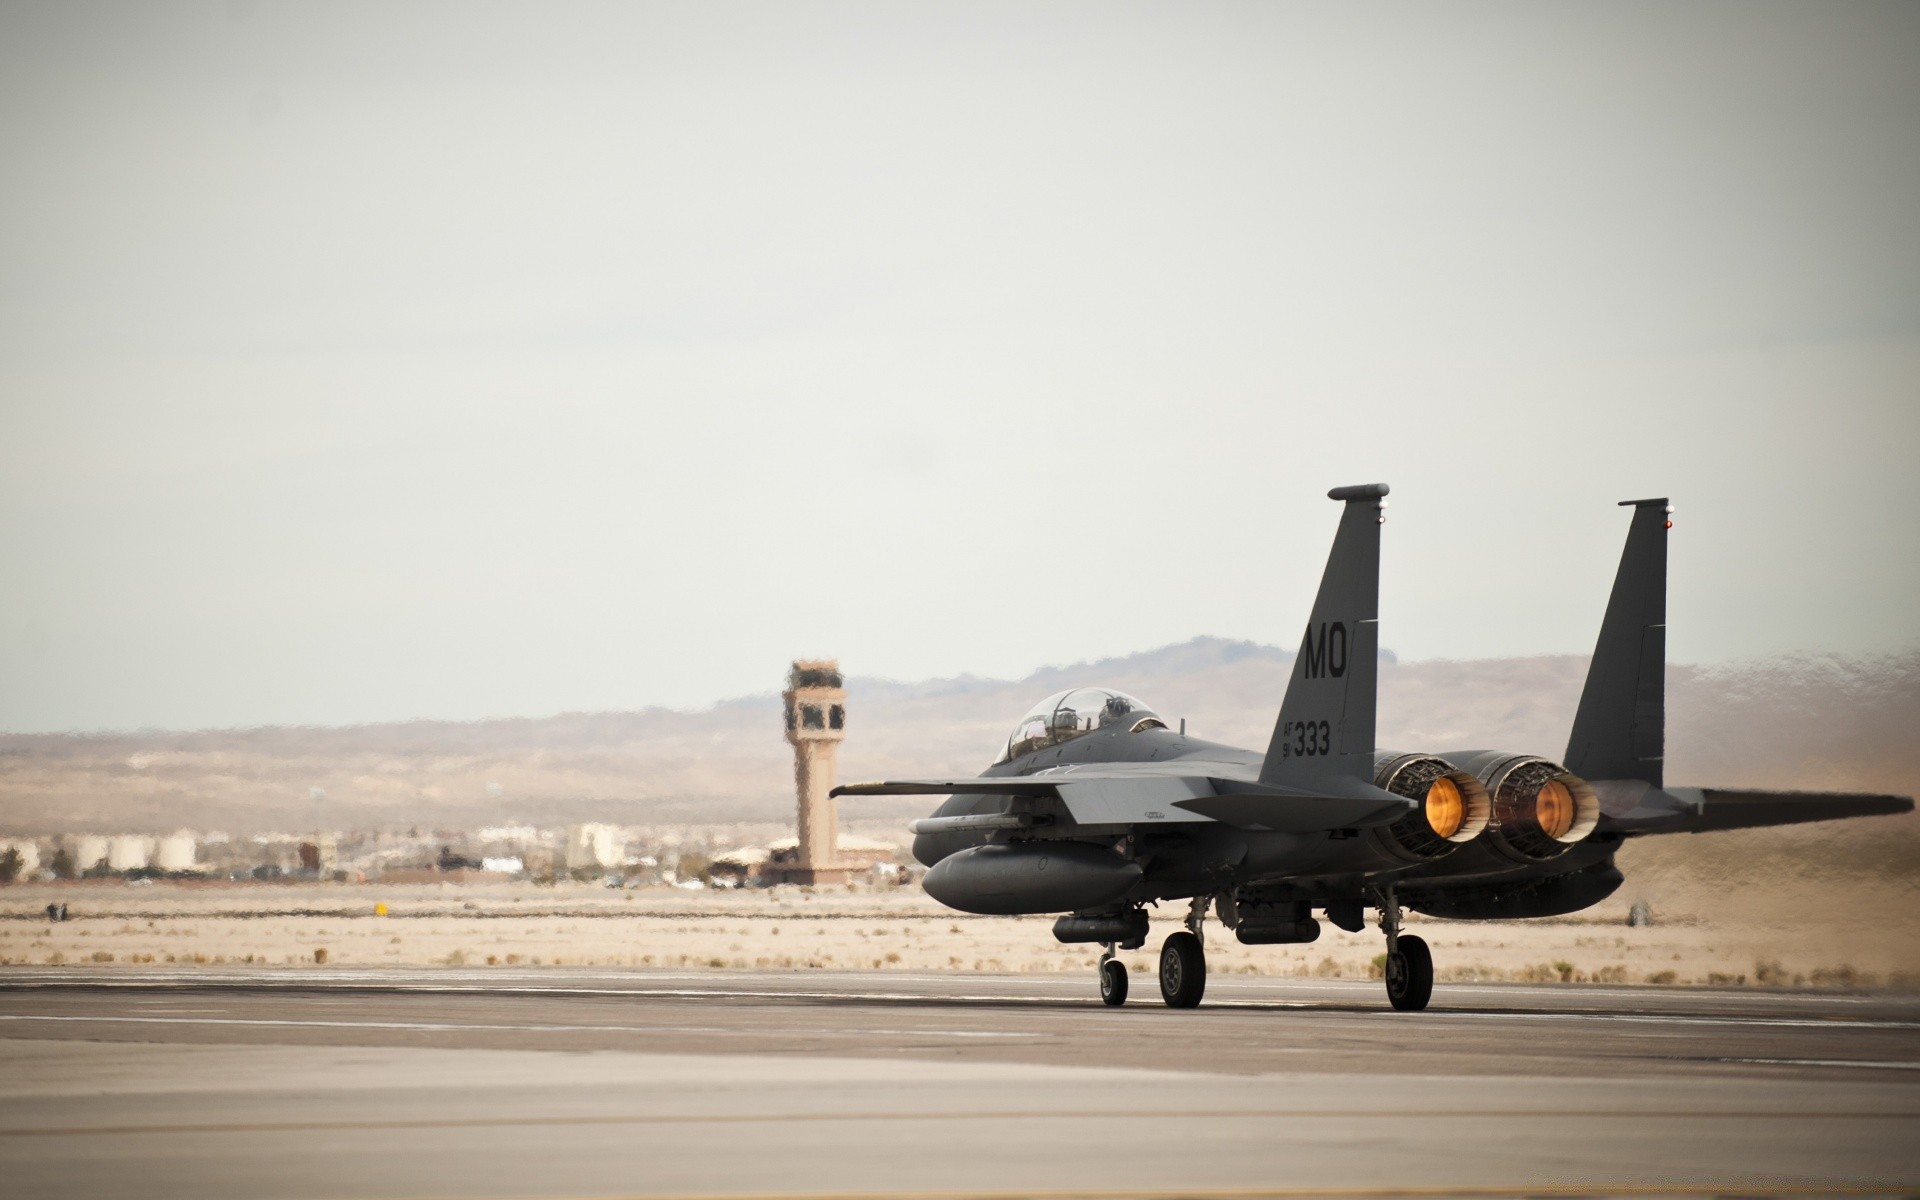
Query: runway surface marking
[[455, 1027], [1687, 1019], [975, 998], [1437, 1192], [500, 975], [1822, 1062], [1192, 1114], [564, 978], [1832, 1023], [1631, 1018]]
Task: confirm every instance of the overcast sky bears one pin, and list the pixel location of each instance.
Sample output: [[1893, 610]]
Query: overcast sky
[[372, 362]]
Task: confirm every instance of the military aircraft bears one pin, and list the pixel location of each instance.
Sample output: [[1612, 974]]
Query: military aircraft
[[1096, 809]]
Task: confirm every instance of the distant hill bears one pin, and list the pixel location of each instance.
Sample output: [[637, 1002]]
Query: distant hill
[[1796, 722]]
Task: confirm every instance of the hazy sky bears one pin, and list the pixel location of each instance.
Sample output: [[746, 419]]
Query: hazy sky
[[370, 362]]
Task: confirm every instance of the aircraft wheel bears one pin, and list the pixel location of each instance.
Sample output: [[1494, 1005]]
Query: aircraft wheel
[[1183, 970], [1113, 983], [1410, 975]]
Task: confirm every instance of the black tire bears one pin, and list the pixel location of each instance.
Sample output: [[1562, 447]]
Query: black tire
[[1113, 983], [1183, 970], [1410, 975]]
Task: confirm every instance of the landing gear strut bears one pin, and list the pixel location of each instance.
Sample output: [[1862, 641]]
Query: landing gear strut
[[1409, 962], [1113, 979], [1183, 961]]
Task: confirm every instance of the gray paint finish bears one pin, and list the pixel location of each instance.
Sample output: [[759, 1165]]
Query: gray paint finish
[[1300, 827]]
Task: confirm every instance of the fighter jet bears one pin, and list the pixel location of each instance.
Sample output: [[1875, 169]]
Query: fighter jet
[[1096, 809]]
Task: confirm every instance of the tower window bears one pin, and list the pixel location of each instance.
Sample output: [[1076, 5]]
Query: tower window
[[836, 717], [810, 717]]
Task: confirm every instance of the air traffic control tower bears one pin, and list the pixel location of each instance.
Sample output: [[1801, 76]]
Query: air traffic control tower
[[816, 704]]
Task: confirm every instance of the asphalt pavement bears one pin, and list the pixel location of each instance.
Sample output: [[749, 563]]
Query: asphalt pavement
[[503, 1082]]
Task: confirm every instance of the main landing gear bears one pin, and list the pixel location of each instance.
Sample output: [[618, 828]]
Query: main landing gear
[[1113, 979], [1409, 962], [1183, 964], [1183, 961]]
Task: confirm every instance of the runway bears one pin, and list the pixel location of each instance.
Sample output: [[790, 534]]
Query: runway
[[497, 1082]]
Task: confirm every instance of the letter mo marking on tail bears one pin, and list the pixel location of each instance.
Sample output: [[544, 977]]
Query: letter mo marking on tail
[[1324, 650]]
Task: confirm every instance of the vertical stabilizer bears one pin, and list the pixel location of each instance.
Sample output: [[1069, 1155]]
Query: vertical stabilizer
[[1325, 728], [1620, 730]]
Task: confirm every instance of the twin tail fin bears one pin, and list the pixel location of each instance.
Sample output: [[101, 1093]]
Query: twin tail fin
[[1323, 739], [1619, 731]]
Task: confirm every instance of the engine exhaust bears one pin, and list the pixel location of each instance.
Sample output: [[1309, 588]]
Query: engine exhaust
[[1540, 809], [1454, 807]]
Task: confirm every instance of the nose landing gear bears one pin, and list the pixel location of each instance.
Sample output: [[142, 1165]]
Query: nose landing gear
[[1409, 962]]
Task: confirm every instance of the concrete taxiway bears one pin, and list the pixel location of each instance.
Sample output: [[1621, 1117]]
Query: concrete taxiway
[[295, 1083]]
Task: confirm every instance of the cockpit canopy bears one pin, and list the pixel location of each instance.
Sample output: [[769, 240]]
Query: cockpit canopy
[[1064, 716]]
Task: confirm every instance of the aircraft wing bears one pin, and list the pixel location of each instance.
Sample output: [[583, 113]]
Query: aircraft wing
[[983, 785], [1701, 810], [1143, 798]]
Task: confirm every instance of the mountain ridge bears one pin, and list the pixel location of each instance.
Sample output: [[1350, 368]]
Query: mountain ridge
[[1798, 721]]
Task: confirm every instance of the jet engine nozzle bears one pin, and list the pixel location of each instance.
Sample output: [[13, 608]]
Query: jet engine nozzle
[[1540, 809], [1454, 806]]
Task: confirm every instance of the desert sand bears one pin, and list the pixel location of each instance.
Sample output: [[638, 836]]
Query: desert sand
[[1714, 939]]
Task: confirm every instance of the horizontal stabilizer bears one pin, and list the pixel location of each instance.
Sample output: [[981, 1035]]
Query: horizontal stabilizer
[[1702, 810]]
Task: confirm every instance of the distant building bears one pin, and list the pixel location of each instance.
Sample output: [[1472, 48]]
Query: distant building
[[595, 847], [129, 852], [89, 851], [776, 862], [176, 852], [508, 833]]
